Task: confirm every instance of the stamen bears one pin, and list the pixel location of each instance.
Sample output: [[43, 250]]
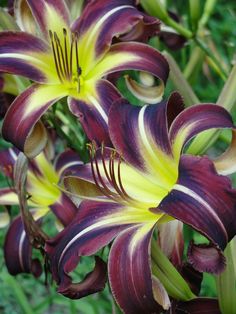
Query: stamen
[[119, 195], [54, 55], [77, 61], [104, 190], [71, 53], [66, 55], [61, 54]]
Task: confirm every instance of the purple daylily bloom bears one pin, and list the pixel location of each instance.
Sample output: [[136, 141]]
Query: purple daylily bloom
[[73, 59], [43, 196], [144, 182]]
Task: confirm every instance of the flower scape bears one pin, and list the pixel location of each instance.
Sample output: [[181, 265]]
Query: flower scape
[[102, 161]]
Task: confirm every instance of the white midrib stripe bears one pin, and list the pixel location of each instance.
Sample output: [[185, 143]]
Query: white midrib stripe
[[200, 200]]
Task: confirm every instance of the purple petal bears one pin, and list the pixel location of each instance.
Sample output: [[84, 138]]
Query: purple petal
[[132, 56], [206, 257], [50, 15], [21, 125], [129, 271], [64, 209], [7, 161], [196, 119], [18, 251], [198, 306], [92, 229], [92, 111], [208, 208], [22, 54], [134, 130], [93, 282], [67, 161], [112, 19]]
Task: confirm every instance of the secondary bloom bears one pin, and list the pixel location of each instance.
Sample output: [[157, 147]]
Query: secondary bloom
[[144, 182], [43, 196], [74, 61]]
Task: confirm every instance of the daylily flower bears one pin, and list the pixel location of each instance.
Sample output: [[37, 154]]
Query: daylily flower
[[43, 196], [141, 183], [74, 61]]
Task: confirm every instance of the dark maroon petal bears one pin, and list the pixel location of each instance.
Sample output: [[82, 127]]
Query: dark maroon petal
[[42, 10], [127, 125], [173, 40], [147, 27], [23, 45], [64, 209], [129, 272], [7, 161], [119, 17], [198, 306], [5, 102], [195, 200], [147, 59], [67, 161], [89, 231], [206, 257], [193, 277], [93, 282], [93, 112], [196, 119], [21, 121], [18, 251]]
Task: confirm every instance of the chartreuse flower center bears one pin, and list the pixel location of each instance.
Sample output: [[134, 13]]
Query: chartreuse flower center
[[124, 184], [66, 59], [42, 184]]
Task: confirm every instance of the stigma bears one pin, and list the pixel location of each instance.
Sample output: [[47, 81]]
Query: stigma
[[66, 57]]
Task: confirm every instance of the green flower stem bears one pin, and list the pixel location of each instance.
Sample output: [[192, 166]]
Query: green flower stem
[[156, 8], [194, 8], [171, 279], [208, 9], [227, 99], [226, 282], [194, 64], [18, 293], [180, 82], [214, 60]]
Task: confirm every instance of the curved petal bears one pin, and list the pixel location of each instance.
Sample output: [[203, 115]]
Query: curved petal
[[141, 136], [24, 17], [50, 15], [93, 282], [7, 161], [130, 274], [8, 196], [18, 251], [96, 224], [148, 94], [226, 163], [4, 218], [92, 110], [26, 55], [208, 208], [101, 21], [199, 306], [64, 209], [194, 120], [20, 125], [131, 56], [67, 161]]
